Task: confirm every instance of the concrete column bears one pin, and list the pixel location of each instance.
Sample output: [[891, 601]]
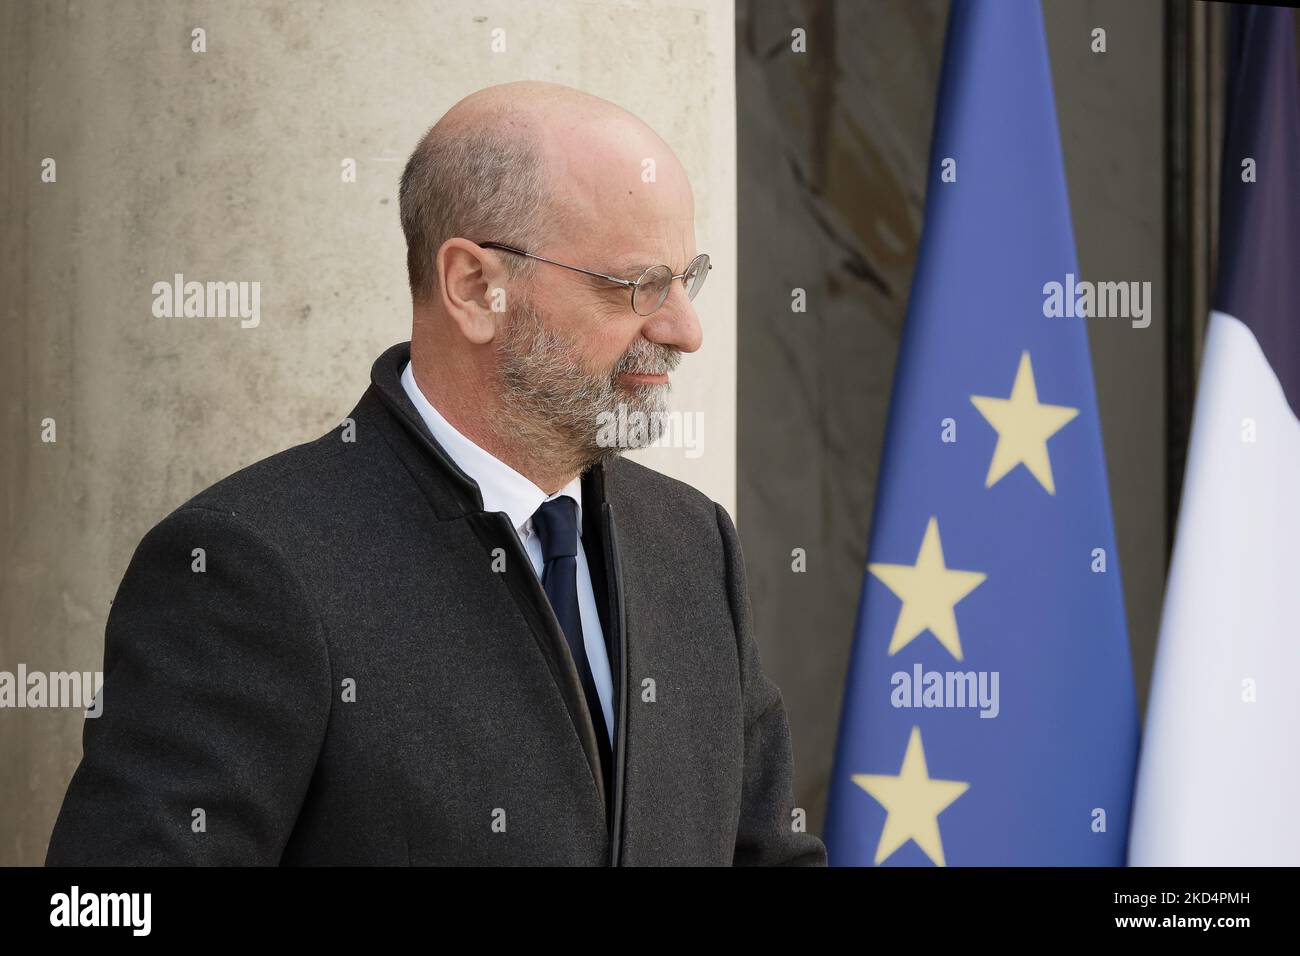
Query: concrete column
[[229, 165]]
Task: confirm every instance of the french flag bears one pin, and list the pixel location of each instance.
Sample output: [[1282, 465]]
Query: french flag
[[1219, 777]]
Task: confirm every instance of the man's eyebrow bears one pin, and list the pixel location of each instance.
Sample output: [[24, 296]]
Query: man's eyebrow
[[629, 267]]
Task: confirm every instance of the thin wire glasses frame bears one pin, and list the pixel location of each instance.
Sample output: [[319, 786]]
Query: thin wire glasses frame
[[653, 284]]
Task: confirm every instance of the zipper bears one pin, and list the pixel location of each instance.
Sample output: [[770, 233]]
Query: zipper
[[619, 620]]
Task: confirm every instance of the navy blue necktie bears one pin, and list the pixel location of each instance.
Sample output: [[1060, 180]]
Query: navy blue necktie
[[556, 524]]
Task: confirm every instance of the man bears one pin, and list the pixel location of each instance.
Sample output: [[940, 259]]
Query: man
[[459, 629]]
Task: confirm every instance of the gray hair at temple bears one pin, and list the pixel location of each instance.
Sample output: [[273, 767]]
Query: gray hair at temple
[[485, 181]]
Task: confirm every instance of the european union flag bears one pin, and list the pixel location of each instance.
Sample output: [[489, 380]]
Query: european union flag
[[989, 716]]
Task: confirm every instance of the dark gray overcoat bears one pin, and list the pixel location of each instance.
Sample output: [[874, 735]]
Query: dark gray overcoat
[[366, 671]]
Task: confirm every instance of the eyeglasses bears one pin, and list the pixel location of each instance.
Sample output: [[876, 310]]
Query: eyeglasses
[[649, 291]]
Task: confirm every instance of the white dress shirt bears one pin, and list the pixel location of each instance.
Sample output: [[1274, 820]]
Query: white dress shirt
[[504, 489]]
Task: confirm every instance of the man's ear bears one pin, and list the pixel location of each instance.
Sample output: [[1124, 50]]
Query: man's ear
[[472, 285]]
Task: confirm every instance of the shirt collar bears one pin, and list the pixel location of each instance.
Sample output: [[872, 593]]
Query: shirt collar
[[502, 488]]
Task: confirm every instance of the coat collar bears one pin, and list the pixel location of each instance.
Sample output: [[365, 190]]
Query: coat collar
[[502, 488], [466, 497]]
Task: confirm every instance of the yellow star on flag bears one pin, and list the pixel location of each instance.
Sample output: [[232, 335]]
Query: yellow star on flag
[[913, 802], [929, 591], [1023, 426]]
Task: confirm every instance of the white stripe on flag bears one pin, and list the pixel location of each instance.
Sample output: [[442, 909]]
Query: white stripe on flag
[[1219, 776]]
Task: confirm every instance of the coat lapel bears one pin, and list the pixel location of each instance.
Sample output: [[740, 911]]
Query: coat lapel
[[454, 495]]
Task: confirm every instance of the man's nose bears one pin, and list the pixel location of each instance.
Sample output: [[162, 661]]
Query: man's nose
[[675, 323]]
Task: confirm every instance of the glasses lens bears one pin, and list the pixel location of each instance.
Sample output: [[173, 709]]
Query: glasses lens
[[651, 289], [695, 275]]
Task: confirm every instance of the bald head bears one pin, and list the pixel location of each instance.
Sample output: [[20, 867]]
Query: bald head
[[530, 163]]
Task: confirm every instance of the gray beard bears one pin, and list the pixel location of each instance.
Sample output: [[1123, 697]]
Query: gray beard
[[555, 405]]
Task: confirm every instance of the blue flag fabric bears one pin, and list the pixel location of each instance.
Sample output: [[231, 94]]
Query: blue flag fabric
[[989, 716]]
